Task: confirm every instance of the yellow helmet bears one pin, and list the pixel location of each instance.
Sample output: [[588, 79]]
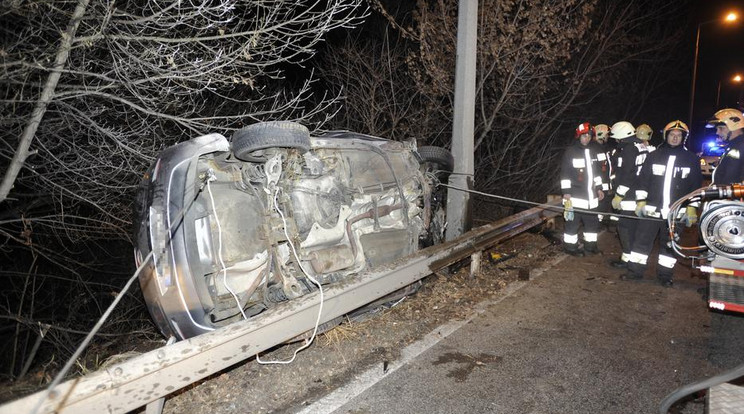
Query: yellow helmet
[[732, 118], [601, 133], [644, 132], [678, 125]]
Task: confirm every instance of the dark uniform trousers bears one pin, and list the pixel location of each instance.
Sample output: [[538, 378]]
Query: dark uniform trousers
[[667, 174], [626, 229], [644, 241], [591, 228], [629, 160]]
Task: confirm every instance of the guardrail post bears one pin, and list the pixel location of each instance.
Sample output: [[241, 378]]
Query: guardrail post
[[552, 198], [156, 407], [475, 264]]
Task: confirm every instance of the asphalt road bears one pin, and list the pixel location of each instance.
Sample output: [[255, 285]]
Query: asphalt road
[[574, 339]]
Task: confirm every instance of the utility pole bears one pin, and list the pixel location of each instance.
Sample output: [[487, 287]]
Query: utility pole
[[458, 202]]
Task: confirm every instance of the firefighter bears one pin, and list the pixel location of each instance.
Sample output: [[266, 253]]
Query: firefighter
[[604, 154], [628, 161], [581, 184], [729, 124], [644, 133], [668, 173]]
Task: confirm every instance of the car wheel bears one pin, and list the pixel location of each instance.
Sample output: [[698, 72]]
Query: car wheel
[[248, 143], [437, 155], [441, 162]]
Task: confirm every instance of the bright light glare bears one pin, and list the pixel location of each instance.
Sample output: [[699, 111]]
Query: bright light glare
[[731, 17], [711, 144], [737, 78]]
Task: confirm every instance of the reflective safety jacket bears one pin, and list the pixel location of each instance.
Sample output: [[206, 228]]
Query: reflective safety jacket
[[581, 175], [603, 157], [628, 162], [731, 167], [668, 174]]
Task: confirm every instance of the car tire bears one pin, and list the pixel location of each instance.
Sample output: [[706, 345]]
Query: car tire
[[437, 155], [277, 134]]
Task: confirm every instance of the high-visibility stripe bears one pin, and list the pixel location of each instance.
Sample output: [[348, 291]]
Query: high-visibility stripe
[[590, 237], [729, 272], [625, 257], [570, 238], [723, 305], [639, 258], [565, 184], [589, 175], [641, 195], [667, 187], [597, 180], [600, 217], [583, 203], [578, 163], [667, 261], [627, 205], [601, 156], [621, 190], [605, 187], [650, 211], [614, 218]]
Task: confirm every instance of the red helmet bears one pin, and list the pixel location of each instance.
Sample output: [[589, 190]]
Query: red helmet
[[585, 128]]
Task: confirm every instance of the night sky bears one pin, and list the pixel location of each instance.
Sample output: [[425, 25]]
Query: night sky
[[721, 56]]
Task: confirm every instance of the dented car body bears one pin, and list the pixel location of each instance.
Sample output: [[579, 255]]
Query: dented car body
[[236, 227]]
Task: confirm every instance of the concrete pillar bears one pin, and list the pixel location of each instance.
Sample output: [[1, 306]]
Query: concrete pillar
[[458, 202]]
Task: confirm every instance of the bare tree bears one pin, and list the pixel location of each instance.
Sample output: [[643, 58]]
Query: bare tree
[[373, 81], [542, 67], [91, 93], [135, 77]]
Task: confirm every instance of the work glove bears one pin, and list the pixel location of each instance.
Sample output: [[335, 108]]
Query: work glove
[[616, 202], [568, 211], [640, 208], [690, 216]]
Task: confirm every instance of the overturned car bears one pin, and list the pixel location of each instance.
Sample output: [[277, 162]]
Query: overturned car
[[236, 227]]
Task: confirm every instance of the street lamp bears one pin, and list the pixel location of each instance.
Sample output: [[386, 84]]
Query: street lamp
[[735, 79], [730, 17]]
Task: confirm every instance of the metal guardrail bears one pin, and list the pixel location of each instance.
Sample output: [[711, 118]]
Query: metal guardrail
[[158, 373]]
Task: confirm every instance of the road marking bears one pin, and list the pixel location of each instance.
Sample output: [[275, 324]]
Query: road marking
[[375, 374]]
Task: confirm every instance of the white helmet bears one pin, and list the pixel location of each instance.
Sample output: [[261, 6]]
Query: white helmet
[[621, 130], [732, 118]]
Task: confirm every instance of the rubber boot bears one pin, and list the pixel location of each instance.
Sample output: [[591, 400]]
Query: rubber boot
[[667, 282], [591, 248], [573, 250], [618, 264]]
